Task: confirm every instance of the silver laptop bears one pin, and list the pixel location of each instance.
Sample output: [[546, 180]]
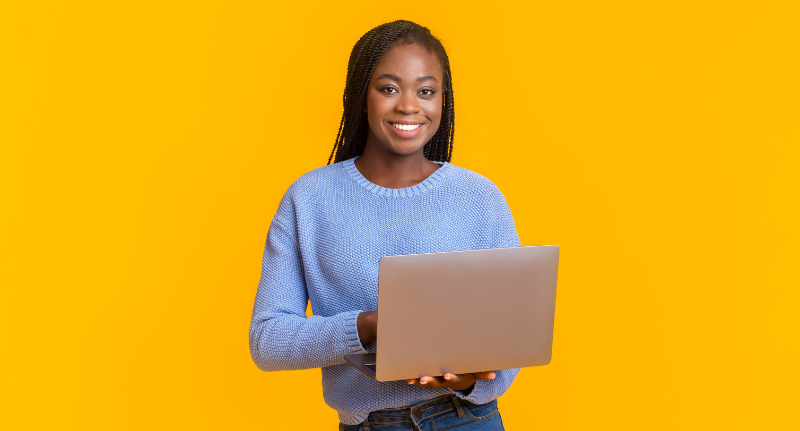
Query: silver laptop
[[462, 312]]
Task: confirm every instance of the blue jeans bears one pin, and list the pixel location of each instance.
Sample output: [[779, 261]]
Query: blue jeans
[[439, 414]]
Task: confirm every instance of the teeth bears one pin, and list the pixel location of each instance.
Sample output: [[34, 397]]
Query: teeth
[[406, 127]]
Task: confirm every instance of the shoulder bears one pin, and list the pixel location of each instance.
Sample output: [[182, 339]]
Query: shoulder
[[472, 183], [323, 180], [321, 177]]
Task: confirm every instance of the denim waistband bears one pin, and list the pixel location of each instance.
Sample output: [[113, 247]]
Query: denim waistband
[[414, 414]]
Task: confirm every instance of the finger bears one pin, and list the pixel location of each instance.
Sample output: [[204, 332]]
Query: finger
[[416, 382], [431, 382], [452, 378], [488, 375]]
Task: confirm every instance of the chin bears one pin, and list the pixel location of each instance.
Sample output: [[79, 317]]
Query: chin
[[408, 148], [406, 151]]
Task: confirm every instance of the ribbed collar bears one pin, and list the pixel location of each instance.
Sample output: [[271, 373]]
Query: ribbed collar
[[427, 184]]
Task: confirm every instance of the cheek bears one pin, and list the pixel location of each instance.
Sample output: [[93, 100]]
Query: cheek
[[375, 111], [373, 121], [435, 111]]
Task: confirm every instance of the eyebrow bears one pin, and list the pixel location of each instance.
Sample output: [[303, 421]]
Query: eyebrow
[[397, 78]]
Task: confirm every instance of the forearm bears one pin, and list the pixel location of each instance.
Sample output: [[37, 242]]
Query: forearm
[[290, 342]]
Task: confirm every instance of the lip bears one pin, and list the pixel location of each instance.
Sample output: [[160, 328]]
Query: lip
[[404, 133]]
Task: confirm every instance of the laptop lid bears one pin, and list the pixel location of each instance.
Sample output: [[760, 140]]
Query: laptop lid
[[465, 311]]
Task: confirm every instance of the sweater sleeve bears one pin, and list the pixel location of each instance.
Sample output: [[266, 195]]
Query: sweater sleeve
[[504, 235], [486, 390], [281, 336], [505, 232]]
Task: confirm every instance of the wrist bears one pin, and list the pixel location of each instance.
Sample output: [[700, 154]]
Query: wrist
[[462, 388], [463, 393], [463, 383]]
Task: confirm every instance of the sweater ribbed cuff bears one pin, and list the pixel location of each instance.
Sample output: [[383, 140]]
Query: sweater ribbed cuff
[[473, 393], [354, 346]]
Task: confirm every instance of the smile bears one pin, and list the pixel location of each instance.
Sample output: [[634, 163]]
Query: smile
[[406, 127], [406, 131]]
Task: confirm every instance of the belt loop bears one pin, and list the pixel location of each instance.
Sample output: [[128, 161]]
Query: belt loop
[[457, 402], [365, 424]]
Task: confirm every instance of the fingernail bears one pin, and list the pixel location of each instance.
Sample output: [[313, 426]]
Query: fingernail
[[447, 376], [410, 382], [492, 376]]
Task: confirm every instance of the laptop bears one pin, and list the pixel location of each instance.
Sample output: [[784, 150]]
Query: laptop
[[462, 312]]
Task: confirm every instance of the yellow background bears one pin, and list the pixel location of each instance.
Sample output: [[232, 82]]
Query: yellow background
[[145, 147]]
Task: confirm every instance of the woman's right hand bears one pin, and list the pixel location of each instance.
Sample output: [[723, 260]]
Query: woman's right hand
[[367, 323]]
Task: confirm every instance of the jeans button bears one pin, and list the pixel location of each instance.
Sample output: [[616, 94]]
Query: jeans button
[[417, 412]]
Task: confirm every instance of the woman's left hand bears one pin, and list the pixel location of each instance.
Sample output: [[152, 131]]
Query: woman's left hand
[[457, 382]]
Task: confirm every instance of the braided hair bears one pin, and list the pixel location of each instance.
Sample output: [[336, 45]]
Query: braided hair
[[352, 136]]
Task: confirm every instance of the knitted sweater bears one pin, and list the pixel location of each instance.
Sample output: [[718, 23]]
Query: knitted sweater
[[324, 244]]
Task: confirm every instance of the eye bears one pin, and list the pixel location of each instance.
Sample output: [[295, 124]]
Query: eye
[[427, 92], [387, 89]]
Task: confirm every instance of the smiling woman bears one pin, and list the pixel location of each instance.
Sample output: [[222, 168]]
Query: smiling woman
[[390, 191], [373, 61], [404, 109], [408, 101]]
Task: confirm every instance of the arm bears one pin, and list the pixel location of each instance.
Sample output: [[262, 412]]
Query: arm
[[281, 336], [483, 387], [504, 235]]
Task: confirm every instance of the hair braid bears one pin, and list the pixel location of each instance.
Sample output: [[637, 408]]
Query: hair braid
[[352, 135]]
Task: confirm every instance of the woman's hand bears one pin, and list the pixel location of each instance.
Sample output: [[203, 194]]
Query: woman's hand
[[367, 323], [457, 382]]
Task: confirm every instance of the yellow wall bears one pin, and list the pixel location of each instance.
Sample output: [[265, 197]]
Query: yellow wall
[[145, 147]]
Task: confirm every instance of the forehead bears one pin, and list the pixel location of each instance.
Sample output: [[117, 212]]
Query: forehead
[[410, 60]]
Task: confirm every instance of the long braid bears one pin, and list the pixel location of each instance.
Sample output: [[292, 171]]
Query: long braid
[[351, 138]]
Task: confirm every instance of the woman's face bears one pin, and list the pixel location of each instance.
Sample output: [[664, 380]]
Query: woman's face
[[404, 100]]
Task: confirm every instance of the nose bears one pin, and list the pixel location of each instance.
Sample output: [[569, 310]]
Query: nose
[[407, 103]]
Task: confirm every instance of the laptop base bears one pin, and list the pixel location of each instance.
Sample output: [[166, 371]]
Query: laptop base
[[364, 363]]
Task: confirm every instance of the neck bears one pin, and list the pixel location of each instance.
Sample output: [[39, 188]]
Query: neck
[[394, 171]]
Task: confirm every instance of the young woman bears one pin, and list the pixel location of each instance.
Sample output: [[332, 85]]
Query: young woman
[[391, 190]]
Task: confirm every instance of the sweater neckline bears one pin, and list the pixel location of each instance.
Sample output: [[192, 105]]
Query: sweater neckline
[[426, 184]]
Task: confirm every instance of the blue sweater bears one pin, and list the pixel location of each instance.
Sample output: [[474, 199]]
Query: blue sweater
[[331, 229]]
